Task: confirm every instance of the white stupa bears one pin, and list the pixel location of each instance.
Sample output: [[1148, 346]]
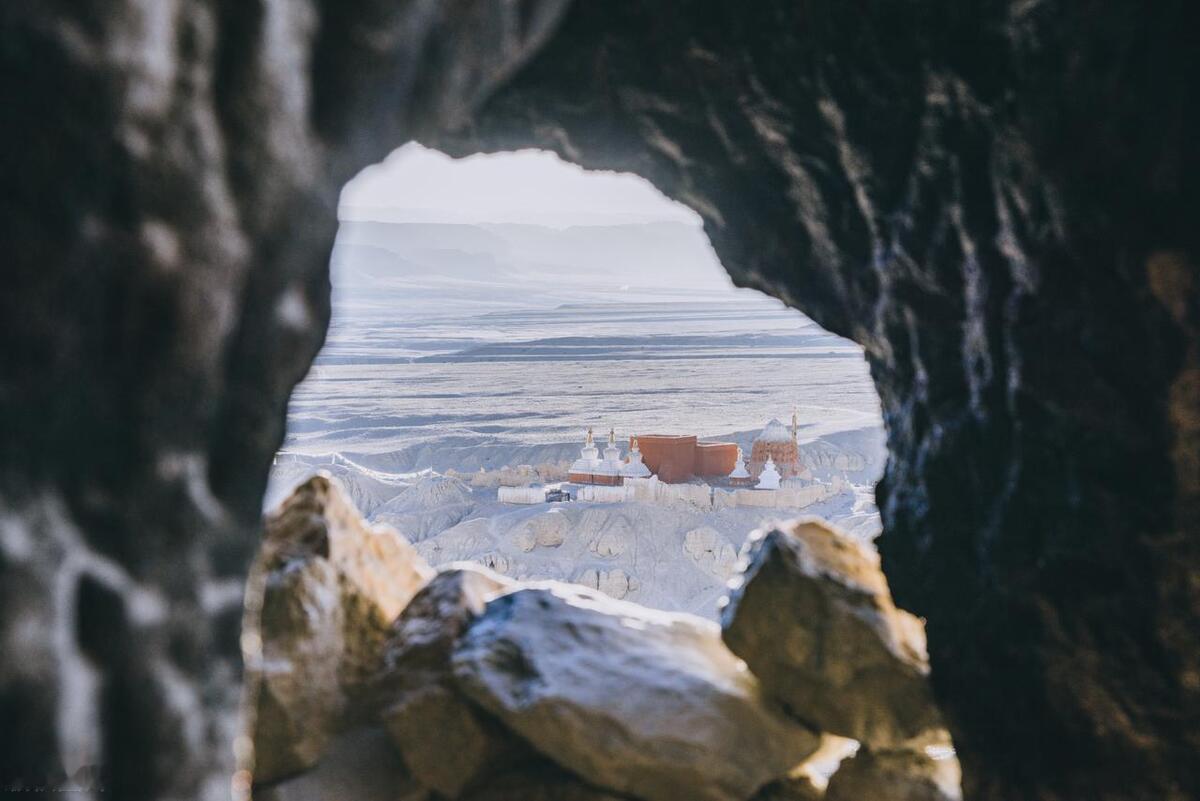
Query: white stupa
[[635, 467], [611, 464], [589, 456], [769, 477], [739, 470], [612, 453]]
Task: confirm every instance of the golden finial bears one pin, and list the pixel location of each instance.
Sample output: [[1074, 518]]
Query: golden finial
[[612, 436], [589, 436]]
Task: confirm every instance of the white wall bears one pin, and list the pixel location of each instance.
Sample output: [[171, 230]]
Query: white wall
[[600, 494], [702, 496], [521, 494]]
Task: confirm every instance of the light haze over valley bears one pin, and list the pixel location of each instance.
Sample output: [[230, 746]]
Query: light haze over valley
[[488, 311]]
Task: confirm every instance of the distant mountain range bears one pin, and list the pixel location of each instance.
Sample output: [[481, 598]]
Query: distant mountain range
[[378, 256]]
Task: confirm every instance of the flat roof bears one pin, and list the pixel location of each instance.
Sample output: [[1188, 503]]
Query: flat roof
[[665, 436]]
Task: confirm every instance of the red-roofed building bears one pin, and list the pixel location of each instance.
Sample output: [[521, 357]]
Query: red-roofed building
[[678, 458]]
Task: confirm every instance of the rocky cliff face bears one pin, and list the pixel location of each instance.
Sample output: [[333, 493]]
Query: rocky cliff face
[[997, 200], [173, 171], [993, 199]]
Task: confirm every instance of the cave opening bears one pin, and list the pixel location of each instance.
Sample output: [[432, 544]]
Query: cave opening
[[489, 310]]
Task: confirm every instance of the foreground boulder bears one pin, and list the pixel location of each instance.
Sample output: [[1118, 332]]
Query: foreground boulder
[[330, 588], [359, 765], [813, 618], [792, 788], [900, 775], [541, 780], [446, 741], [644, 703], [380, 679]]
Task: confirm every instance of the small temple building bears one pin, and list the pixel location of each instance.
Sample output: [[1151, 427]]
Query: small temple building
[[777, 444]]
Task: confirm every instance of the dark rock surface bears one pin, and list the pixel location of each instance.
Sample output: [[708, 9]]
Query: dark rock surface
[[540, 780], [799, 788], [360, 765], [173, 170], [998, 200], [893, 776]]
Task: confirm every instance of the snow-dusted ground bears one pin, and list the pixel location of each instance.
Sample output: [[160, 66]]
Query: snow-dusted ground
[[485, 365]]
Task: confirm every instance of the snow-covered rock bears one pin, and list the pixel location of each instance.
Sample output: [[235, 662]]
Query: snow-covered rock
[[710, 551], [612, 541], [468, 539], [547, 530], [495, 561], [524, 539], [367, 489], [814, 619], [432, 492], [331, 586], [646, 703], [860, 452], [431, 504], [648, 541], [521, 476], [613, 583]]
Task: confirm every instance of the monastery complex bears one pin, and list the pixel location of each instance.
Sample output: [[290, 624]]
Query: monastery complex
[[675, 459]]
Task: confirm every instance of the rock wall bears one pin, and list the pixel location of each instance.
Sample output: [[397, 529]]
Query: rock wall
[[526, 495], [996, 199], [173, 170], [701, 496]]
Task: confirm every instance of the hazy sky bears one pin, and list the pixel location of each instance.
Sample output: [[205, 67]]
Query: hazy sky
[[416, 184]]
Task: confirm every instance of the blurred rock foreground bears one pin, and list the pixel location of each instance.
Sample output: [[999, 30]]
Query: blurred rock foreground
[[376, 672]]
